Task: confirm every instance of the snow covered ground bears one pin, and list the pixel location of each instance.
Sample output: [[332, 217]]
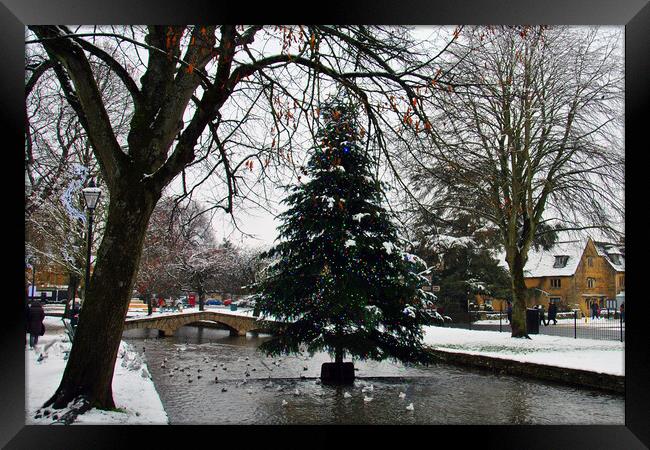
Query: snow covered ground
[[586, 354], [133, 390]]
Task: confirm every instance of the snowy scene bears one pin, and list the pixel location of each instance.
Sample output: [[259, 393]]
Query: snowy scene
[[318, 224]]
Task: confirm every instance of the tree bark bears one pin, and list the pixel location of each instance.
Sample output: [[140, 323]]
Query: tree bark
[[519, 291], [149, 306], [338, 355], [89, 372], [201, 293]]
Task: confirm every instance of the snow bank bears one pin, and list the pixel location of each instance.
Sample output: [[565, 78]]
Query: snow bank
[[585, 354], [133, 390]]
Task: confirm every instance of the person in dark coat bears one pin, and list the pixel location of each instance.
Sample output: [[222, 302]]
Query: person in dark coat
[[35, 325], [26, 320], [542, 321], [623, 312], [74, 314], [594, 310], [552, 313], [509, 312]]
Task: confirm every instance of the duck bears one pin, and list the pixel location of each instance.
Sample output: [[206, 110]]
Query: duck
[[284, 403], [347, 395], [410, 407], [367, 399], [368, 388], [402, 395], [296, 392]]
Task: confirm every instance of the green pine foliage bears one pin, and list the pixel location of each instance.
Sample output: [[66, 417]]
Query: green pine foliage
[[339, 281]]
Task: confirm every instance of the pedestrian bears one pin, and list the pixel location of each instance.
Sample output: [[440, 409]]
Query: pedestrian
[[161, 303], [594, 310], [509, 311], [178, 304], [623, 312], [541, 315], [26, 320], [35, 326], [74, 314], [552, 313]]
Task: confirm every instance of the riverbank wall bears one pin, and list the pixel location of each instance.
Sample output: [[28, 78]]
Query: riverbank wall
[[573, 377]]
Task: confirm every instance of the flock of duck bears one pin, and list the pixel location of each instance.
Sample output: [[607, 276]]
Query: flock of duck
[[366, 390]]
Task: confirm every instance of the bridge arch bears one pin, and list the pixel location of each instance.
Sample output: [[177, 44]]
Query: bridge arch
[[166, 325]]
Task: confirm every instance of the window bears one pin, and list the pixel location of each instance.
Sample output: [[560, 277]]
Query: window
[[590, 261], [560, 261], [591, 282], [556, 283], [555, 300]]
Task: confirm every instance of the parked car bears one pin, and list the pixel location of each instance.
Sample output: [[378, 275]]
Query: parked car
[[213, 302], [227, 302]]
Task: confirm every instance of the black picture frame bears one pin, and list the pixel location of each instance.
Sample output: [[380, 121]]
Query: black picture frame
[[633, 14]]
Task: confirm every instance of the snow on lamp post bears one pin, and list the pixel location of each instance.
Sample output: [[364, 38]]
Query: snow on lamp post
[[91, 197]]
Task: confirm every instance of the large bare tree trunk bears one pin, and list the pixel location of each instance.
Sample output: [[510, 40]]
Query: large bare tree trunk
[[519, 291], [89, 372]]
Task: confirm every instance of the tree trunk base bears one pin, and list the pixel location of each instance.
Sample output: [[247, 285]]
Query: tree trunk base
[[337, 373], [521, 336]]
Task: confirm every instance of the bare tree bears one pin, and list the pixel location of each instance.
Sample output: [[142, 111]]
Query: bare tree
[[530, 139], [58, 161], [201, 109]]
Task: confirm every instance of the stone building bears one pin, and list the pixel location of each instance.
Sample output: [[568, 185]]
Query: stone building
[[576, 274]]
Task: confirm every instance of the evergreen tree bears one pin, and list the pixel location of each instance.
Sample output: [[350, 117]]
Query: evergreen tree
[[339, 280]]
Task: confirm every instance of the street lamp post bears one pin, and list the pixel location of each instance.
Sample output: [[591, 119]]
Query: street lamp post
[[91, 197]]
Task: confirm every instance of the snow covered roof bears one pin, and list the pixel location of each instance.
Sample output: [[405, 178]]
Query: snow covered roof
[[614, 254], [543, 263]]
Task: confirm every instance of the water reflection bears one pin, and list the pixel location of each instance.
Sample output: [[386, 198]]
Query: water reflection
[[254, 389]]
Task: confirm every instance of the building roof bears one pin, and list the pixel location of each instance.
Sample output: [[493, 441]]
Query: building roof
[[542, 263], [614, 254]]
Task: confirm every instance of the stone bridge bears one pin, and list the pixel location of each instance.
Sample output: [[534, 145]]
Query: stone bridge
[[167, 324]]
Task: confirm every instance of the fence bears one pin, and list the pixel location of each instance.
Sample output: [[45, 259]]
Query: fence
[[609, 324]]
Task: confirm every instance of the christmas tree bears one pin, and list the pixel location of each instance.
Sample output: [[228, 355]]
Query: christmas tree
[[339, 281]]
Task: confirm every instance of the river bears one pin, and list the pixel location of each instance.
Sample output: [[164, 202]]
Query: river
[[286, 390]]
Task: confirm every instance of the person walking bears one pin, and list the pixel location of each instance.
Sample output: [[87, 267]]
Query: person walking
[[542, 321], [594, 310], [623, 312], [74, 314], [552, 313], [161, 303], [35, 326], [509, 311]]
